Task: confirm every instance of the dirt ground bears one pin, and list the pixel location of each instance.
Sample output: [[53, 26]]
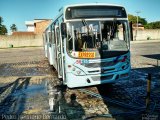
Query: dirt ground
[[26, 87]]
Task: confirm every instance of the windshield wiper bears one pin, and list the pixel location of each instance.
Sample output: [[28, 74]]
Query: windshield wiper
[[86, 25], [84, 22]]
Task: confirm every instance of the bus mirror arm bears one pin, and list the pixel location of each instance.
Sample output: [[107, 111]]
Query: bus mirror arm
[[63, 30], [131, 30]]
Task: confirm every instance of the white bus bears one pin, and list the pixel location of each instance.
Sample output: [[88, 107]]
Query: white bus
[[89, 44]]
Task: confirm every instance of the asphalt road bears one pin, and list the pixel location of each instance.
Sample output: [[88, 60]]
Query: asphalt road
[[16, 62], [137, 49], [146, 48], [145, 57], [12, 55]]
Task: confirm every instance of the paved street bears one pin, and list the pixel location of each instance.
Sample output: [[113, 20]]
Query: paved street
[[26, 85], [145, 48], [23, 75], [21, 54], [146, 57]]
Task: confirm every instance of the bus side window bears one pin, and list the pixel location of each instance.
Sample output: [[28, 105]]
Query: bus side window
[[50, 35], [47, 34], [53, 40], [45, 37], [70, 43], [58, 38]]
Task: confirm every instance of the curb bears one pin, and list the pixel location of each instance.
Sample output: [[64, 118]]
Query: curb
[[144, 41], [21, 47]]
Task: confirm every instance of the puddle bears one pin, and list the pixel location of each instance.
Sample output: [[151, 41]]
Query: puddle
[[32, 90], [26, 98]]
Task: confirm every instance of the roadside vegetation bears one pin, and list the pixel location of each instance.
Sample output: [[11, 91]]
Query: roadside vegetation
[[3, 29], [143, 22]]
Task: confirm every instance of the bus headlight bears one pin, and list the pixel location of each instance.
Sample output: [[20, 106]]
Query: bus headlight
[[77, 71]]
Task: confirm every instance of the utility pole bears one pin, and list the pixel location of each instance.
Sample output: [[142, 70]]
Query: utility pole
[[137, 25]]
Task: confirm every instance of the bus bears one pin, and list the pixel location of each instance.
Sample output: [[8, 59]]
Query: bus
[[89, 44]]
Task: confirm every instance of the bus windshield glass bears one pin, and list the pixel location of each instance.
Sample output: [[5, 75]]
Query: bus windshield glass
[[97, 39]]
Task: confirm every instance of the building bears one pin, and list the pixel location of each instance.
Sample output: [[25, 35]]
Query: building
[[140, 26], [37, 25], [30, 26]]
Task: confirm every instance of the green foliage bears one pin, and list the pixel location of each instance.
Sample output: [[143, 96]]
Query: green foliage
[[153, 25], [134, 19], [143, 21], [3, 29], [1, 20], [13, 28]]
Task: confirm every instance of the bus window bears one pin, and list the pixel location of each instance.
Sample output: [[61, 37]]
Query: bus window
[[58, 37], [49, 34], [53, 37], [114, 35], [81, 37], [87, 36]]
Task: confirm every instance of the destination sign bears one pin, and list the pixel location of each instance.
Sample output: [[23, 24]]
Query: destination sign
[[83, 12]]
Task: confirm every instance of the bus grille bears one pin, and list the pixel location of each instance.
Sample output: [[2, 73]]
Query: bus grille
[[101, 78], [102, 71], [103, 64]]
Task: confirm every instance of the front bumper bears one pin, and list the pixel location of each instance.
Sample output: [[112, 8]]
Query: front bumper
[[89, 80]]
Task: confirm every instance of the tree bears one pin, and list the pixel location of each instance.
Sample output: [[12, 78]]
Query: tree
[[153, 25], [3, 29], [134, 19], [1, 20], [142, 21], [13, 28]]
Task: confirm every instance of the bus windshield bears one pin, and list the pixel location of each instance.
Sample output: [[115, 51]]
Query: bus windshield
[[103, 39]]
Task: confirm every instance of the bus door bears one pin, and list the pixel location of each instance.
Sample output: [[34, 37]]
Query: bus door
[[54, 50], [49, 48], [45, 44], [59, 52]]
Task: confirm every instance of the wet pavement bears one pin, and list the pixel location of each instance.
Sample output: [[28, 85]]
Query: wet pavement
[[24, 97], [23, 78], [28, 86]]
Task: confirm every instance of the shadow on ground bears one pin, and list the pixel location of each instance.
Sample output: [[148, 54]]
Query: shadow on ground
[[71, 109], [14, 100], [126, 100]]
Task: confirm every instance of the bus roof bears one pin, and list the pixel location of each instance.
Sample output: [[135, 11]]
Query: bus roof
[[93, 4], [62, 9], [89, 4]]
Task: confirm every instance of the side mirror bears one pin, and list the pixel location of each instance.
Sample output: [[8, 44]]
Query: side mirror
[[63, 30], [131, 30]]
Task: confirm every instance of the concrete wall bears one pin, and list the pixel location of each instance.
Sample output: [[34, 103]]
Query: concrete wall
[[20, 40], [36, 40], [144, 34]]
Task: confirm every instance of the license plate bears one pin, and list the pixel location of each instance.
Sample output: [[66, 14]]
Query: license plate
[[86, 54]]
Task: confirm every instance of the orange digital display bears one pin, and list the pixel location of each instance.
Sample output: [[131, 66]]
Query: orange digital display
[[86, 54]]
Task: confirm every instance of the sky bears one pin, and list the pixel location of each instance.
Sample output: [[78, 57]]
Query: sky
[[19, 11]]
